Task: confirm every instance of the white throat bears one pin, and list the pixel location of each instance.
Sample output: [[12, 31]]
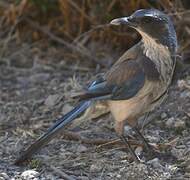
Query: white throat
[[159, 54]]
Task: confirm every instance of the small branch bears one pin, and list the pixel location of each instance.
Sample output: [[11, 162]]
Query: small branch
[[90, 31], [72, 3], [8, 39], [98, 141], [186, 113]]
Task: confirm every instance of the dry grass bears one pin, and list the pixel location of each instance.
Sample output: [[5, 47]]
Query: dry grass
[[83, 21]]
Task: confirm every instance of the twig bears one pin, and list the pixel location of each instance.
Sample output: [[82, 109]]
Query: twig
[[179, 13], [98, 141], [61, 173], [186, 113], [72, 3], [10, 37], [110, 6], [52, 36], [90, 31]]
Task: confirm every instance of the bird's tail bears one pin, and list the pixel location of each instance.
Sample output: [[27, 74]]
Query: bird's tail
[[53, 131]]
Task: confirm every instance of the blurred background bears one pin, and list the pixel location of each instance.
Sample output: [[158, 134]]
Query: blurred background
[[78, 28]]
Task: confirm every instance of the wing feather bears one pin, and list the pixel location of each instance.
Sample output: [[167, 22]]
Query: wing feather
[[123, 80]]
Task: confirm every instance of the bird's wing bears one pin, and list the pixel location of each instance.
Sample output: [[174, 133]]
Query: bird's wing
[[126, 79], [123, 81]]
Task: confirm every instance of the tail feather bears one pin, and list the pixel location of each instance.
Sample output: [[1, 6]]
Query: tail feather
[[53, 131]]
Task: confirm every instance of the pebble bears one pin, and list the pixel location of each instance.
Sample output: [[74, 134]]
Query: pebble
[[170, 122], [138, 150], [117, 155], [94, 168], [66, 108], [39, 77], [52, 100], [155, 163], [179, 124], [82, 177], [163, 115], [175, 123], [4, 176], [180, 84], [185, 133], [23, 81], [30, 174], [185, 94], [118, 176], [179, 153], [81, 148], [154, 138]]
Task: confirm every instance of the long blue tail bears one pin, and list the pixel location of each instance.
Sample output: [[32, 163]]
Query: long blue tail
[[53, 131]]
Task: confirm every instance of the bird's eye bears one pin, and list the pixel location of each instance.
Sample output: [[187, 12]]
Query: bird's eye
[[131, 19]]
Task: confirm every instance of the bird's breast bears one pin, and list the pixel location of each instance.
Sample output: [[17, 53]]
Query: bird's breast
[[161, 57]]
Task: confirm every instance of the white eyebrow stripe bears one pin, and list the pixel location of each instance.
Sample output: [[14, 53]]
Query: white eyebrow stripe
[[152, 15], [149, 14]]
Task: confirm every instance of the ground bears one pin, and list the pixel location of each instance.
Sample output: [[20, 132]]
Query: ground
[[35, 90]]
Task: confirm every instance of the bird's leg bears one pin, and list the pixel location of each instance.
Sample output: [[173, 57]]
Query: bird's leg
[[148, 147], [144, 120], [146, 144], [119, 128], [128, 146]]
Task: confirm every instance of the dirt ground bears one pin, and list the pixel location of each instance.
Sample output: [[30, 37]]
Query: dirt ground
[[36, 84]]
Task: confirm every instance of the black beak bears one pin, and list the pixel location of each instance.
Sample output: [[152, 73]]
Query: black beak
[[119, 21]]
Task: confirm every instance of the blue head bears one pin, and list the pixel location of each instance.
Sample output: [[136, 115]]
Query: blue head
[[154, 23]]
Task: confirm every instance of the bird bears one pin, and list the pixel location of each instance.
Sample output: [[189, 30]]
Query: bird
[[135, 85]]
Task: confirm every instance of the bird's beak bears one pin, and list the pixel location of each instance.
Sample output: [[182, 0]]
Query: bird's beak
[[119, 21]]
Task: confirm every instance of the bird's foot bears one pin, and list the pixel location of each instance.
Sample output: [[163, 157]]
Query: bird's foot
[[135, 157]]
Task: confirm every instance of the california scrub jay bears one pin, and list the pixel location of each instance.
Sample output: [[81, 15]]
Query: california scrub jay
[[135, 85]]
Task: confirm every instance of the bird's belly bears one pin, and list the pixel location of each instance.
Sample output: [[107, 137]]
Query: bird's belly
[[130, 110]]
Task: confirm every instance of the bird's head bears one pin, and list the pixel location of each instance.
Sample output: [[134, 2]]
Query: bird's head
[[153, 23]]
